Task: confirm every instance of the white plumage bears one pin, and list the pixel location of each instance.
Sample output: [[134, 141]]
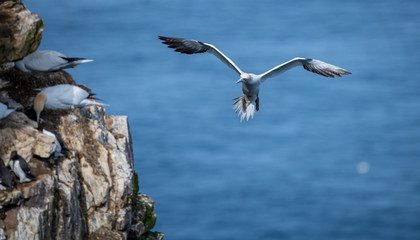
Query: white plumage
[[66, 96], [247, 104], [21, 168], [48, 61], [56, 150], [63, 96]]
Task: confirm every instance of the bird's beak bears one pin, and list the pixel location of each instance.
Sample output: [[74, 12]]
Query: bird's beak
[[240, 80], [38, 117]]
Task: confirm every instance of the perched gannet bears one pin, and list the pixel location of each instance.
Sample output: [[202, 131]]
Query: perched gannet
[[6, 178], [247, 104], [48, 61], [63, 96], [21, 168], [5, 110]]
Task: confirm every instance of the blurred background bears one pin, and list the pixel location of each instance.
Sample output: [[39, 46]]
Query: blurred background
[[323, 159]]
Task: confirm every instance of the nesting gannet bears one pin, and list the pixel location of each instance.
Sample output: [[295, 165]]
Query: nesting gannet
[[63, 96], [247, 104], [6, 178], [48, 61], [21, 168], [5, 110]]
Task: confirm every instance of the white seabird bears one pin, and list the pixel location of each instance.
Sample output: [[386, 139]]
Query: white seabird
[[57, 144], [5, 110], [21, 168], [62, 96], [6, 178], [48, 61], [247, 104]]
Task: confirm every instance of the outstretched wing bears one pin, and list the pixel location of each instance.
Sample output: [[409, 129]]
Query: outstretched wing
[[188, 46], [313, 65]]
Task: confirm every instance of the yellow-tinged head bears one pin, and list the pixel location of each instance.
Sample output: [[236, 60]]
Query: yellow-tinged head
[[39, 103], [245, 77]]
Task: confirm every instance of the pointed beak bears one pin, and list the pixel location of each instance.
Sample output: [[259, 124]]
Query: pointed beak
[[240, 80], [38, 117]]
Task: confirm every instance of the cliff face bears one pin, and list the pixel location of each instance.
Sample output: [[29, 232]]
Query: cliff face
[[20, 31], [75, 195], [86, 193], [89, 192]]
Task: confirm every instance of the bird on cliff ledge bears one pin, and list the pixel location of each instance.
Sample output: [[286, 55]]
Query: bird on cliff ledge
[[58, 143], [248, 104], [48, 61], [62, 96], [21, 168]]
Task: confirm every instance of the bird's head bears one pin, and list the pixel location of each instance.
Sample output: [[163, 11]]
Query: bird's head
[[13, 155], [39, 103], [245, 77]]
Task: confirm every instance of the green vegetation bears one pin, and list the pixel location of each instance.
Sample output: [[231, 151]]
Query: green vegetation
[[135, 200]]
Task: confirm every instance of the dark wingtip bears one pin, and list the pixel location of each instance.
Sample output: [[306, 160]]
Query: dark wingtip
[[72, 59], [167, 40], [343, 72], [178, 45]]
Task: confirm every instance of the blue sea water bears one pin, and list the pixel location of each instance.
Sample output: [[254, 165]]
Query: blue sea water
[[323, 159]]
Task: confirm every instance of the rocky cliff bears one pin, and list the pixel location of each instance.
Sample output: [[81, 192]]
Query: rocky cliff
[[20, 31], [88, 192]]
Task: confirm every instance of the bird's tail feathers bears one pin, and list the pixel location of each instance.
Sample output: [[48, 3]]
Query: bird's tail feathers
[[77, 60], [71, 63], [92, 97], [74, 63], [89, 102], [244, 108]]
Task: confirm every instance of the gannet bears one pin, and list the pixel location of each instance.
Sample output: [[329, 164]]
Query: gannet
[[21, 168], [6, 178], [247, 104], [48, 61], [5, 110], [63, 96]]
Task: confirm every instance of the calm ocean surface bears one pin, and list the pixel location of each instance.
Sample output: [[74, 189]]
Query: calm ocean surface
[[324, 158]]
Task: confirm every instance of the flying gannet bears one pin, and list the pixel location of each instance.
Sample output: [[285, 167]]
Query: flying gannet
[[21, 168], [247, 104], [5, 110], [48, 61], [6, 178], [63, 96]]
